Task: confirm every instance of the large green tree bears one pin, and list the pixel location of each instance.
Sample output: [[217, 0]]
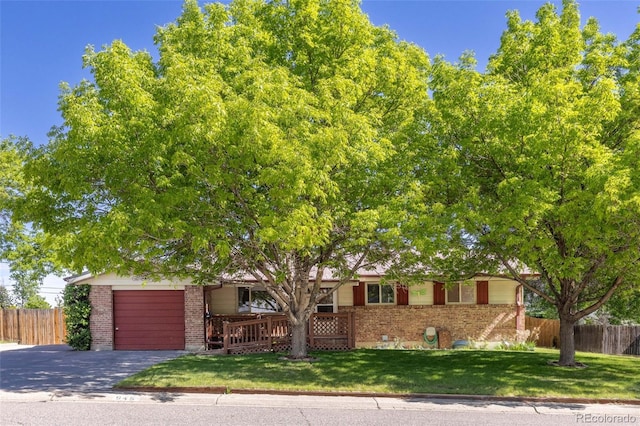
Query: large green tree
[[271, 139], [546, 143]]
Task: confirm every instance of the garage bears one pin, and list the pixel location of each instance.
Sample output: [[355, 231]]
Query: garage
[[148, 319]]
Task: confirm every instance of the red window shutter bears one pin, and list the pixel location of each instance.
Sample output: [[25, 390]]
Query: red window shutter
[[358, 294], [438, 293], [402, 295], [482, 289]]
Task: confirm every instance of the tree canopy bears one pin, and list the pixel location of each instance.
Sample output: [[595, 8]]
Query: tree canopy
[[22, 246], [271, 139], [546, 145]]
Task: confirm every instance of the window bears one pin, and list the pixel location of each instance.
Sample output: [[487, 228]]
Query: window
[[253, 300], [461, 293], [326, 304], [380, 293]]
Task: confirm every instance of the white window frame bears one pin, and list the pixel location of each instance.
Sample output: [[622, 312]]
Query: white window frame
[[334, 300], [380, 286], [251, 311], [460, 286]]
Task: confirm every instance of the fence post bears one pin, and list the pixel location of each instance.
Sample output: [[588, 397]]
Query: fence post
[[270, 332], [352, 329], [58, 326], [311, 326], [20, 339], [225, 336]]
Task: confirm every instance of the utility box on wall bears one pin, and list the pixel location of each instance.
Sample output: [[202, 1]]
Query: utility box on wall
[[444, 339]]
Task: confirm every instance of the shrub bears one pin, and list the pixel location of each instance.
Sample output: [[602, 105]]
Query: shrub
[[37, 302], [77, 310], [516, 346]]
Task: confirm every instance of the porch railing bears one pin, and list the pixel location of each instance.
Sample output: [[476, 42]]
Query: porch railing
[[242, 334]]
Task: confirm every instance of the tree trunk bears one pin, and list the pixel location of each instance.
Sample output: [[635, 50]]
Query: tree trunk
[[567, 342], [298, 340]]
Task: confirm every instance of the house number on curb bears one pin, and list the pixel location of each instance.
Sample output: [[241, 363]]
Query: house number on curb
[[126, 398]]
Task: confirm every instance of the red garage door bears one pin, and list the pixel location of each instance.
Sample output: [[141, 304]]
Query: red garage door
[[148, 319]]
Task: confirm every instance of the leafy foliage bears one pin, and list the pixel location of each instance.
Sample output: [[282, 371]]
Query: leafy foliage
[[26, 249], [77, 311], [37, 302], [537, 306], [546, 145], [624, 306], [271, 140], [6, 301]]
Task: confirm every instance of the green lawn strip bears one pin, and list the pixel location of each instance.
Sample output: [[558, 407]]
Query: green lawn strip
[[471, 372]]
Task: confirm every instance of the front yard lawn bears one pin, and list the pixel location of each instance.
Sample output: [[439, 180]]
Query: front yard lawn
[[471, 372]]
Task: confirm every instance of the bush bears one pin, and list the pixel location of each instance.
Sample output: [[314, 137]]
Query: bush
[[77, 311], [37, 302], [516, 346]]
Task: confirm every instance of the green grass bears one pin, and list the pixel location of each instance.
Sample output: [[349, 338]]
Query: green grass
[[500, 373]]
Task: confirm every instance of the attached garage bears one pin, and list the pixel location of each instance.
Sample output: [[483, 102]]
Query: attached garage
[[148, 319]]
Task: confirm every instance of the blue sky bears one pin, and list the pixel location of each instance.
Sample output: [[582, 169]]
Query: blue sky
[[42, 42]]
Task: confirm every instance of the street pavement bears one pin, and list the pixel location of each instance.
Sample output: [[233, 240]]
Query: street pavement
[[60, 408]]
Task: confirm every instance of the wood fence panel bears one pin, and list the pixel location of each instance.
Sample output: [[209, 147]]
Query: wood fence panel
[[589, 338], [32, 326], [612, 339], [545, 332], [10, 326], [621, 339]]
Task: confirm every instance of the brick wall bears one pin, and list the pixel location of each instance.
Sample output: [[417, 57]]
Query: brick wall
[[193, 317], [408, 323], [101, 320]]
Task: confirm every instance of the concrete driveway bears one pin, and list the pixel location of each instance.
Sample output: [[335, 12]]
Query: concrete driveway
[[59, 368]]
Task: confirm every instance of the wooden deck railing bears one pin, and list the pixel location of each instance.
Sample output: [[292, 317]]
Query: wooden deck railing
[[258, 335], [329, 331], [243, 334]]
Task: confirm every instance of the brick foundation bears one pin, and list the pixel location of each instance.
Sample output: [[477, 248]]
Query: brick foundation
[[193, 318], [101, 320], [407, 324]]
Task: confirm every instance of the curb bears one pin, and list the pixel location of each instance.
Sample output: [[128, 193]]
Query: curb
[[524, 399]]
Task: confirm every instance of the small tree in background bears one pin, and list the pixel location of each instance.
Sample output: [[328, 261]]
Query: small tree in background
[[37, 302], [6, 301]]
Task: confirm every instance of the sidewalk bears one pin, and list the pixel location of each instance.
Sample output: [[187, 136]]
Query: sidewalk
[[335, 402], [13, 346]]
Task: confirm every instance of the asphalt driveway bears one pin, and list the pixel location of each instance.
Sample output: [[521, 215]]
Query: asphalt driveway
[[59, 368]]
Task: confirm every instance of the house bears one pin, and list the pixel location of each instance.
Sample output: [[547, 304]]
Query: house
[[130, 313]]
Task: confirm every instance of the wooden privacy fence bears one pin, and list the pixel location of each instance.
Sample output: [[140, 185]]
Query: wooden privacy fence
[[545, 332], [32, 326], [610, 339]]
